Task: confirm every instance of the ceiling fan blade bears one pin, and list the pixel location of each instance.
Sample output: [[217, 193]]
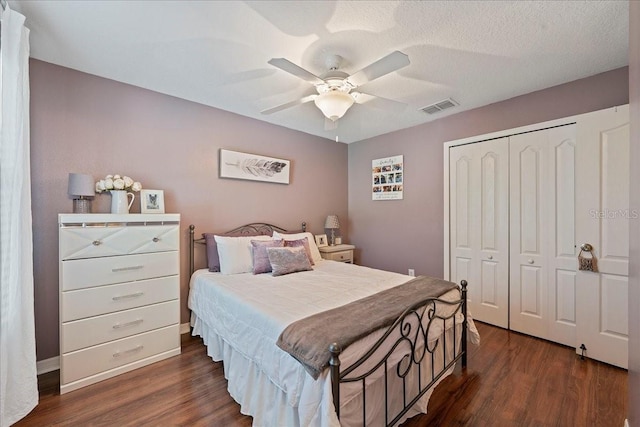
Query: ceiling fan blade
[[296, 70], [330, 124], [392, 62], [281, 107], [379, 102]]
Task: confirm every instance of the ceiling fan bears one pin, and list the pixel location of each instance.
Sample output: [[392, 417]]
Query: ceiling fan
[[336, 89]]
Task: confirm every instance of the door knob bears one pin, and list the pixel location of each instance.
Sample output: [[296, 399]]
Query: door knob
[[586, 247], [490, 257], [530, 261]]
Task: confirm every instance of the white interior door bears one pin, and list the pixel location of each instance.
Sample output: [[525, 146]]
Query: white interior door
[[479, 215], [602, 220], [542, 234]]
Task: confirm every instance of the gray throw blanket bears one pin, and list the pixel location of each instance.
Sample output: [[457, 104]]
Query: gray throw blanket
[[308, 339]]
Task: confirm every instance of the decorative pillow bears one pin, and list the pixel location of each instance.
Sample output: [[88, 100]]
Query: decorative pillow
[[261, 262], [288, 260], [313, 249], [300, 242], [213, 261], [235, 253]]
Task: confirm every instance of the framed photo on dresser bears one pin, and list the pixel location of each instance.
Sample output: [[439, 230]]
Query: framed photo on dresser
[[152, 201]]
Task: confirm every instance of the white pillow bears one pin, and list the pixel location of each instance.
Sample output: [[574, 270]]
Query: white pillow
[[315, 253], [235, 253]]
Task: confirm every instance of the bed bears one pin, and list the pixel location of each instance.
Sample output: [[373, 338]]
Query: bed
[[383, 378]]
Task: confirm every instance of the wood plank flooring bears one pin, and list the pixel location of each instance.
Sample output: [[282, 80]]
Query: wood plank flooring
[[511, 380]]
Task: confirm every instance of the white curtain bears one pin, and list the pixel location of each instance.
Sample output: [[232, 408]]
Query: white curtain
[[18, 377]]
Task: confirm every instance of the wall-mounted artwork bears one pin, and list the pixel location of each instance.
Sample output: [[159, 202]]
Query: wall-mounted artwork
[[387, 178], [253, 167]]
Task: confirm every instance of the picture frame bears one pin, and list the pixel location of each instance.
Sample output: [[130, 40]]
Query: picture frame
[[152, 201], [254, 167], [321, 240], [387, 182]]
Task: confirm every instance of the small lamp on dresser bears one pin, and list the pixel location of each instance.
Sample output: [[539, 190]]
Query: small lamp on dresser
[[333, 224], [82, 190]]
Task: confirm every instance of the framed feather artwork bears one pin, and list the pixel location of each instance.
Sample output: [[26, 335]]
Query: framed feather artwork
[[253, 167]]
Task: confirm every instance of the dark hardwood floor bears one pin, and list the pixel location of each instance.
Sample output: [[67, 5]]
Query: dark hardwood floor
[[511, 380]]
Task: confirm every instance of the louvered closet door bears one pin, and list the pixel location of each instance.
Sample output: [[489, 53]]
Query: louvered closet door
[[479, 216], [602, 220], [542, 234]]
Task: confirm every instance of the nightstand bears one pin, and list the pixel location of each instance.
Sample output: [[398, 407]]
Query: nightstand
[[342, 253]]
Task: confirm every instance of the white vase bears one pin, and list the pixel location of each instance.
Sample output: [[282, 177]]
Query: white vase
[[119, 202]]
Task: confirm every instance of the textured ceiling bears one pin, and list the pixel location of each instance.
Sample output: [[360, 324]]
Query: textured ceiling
[[216, 52]]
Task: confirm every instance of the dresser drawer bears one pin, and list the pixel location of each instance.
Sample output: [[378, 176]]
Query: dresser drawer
[[86, 273], [84, 333], [343, 256], [84, 303], [93, 242], [83, 363]]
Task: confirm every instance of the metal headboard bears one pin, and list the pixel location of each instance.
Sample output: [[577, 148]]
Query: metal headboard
[[253, 229]]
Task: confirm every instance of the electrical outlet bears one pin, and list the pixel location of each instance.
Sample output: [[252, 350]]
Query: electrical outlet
[[412, 272]]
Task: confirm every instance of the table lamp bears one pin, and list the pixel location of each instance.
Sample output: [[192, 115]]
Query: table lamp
[[81, 189], [332, 224]]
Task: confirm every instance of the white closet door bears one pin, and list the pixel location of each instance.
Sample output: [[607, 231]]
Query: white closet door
[[542, 234], [479, 214], [602, 220]]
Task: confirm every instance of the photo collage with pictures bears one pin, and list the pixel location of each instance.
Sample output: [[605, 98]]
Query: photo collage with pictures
[[387, 178]]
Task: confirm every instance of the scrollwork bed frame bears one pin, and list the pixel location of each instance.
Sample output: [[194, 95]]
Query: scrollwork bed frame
[[408, 329]]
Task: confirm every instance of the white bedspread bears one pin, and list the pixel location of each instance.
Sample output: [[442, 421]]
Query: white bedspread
[[245, 314]]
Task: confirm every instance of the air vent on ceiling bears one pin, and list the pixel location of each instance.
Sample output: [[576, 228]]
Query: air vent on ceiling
[[439, 106]]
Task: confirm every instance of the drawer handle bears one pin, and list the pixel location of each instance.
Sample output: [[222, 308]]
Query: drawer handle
[[156, 239], [120, 297], [124, 325], [96, 243], [133, 267], [131, 350]]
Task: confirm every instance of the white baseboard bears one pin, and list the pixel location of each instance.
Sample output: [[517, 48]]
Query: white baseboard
[[48, 365], [53, 363]]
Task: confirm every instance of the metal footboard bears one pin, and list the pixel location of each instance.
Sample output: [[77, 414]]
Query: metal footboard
[[408, 337]]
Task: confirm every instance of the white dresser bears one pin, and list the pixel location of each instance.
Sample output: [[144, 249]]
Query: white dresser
[[119, 294]]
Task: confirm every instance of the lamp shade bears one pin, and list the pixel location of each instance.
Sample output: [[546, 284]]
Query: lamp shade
[[332, 222], [81, 185], [334, 104]]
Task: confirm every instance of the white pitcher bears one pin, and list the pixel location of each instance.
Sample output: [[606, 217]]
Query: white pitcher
[[119, 201]]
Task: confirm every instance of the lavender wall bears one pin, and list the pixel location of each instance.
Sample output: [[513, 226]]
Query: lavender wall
[[408, 233], [83, 123], [634, 238]]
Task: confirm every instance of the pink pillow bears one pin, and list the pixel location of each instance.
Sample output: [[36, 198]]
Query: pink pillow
[[261, 262], [288, 260], [300, 242]]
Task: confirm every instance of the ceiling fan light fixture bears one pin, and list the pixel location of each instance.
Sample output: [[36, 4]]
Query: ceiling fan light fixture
[[334, 104]]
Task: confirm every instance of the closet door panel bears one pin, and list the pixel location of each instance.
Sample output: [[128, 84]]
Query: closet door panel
[[542, 238], [461, 239], [478, 226], [492, 185], [602, 215], [528, 169]]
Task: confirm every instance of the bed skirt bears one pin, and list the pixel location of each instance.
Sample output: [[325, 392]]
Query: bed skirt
[[269, 405]]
